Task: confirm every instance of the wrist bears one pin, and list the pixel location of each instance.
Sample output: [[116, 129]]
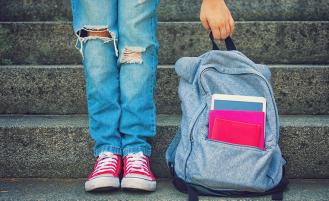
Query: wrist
[[213, 2]]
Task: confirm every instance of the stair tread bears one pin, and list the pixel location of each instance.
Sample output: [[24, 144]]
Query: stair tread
[[60, 89], [73, 189], [63, 143], [169, 10], [163, 66], [262, 41], [81, 120]]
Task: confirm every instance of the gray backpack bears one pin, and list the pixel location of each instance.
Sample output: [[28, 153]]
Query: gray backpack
[[205, 167]]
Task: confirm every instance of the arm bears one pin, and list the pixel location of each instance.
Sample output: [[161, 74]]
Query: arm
[[215, 15]]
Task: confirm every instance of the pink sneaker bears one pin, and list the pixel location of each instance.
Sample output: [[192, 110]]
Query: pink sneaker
[[137, 173], [105, 175]]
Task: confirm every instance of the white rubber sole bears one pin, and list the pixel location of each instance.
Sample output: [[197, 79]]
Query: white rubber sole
[[133, 183], [102, 183]]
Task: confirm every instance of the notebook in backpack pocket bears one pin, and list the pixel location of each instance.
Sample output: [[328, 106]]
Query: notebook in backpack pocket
[[237, 127]]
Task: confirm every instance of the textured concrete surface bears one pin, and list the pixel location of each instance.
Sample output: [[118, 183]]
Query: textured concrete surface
[[299, 89], [73, 189], [264, 42], [42, 89], [176, 10], [59, 146], [61, 90]]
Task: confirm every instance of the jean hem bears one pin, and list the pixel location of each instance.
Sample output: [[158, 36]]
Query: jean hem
[[146, 151], [108, 148]]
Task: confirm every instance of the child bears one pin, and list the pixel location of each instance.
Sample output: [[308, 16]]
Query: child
[[117, 40]]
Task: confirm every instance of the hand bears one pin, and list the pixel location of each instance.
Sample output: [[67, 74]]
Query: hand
[[215, 15]]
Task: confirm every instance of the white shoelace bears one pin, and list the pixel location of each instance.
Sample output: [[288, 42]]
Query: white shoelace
[[137, 162], [107, 161]]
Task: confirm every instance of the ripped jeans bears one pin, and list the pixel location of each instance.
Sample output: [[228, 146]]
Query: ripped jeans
[[120, 71]]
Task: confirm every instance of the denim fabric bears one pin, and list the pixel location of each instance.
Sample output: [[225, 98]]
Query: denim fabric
[[120, 90], [213, 164]]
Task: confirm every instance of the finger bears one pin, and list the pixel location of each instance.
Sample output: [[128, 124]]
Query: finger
[[223, 33], [216, 32], [204, 22], [228, 29], [232, 25]]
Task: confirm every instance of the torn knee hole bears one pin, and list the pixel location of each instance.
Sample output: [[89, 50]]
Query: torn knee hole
[[132, 55], [95, 32], [91, 32]]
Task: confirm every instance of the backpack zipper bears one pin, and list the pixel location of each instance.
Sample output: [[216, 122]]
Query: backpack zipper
[[195, 119]]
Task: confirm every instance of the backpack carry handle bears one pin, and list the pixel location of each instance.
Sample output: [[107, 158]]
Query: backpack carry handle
[[228, 42]]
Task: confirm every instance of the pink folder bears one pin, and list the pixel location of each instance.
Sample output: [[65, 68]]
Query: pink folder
[[237, 127]]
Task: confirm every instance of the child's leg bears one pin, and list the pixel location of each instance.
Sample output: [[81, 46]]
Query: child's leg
[[138, 45], [100, 68]]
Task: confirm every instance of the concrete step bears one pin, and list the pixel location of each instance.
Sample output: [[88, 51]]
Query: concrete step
[[73, 189], [176, 10], [266, 42], [59, 146], [60, 89]]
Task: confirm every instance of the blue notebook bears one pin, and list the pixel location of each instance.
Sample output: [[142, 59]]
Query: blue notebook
[[238, 105], [236, 102]]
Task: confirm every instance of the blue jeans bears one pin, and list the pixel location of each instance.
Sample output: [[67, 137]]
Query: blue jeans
[[120, 71]]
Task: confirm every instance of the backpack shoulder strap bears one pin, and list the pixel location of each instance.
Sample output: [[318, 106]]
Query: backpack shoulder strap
[[277, 192], [183, 187]]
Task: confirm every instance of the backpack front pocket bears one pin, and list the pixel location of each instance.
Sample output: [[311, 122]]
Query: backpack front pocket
[[224, 166], [221, 166]]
